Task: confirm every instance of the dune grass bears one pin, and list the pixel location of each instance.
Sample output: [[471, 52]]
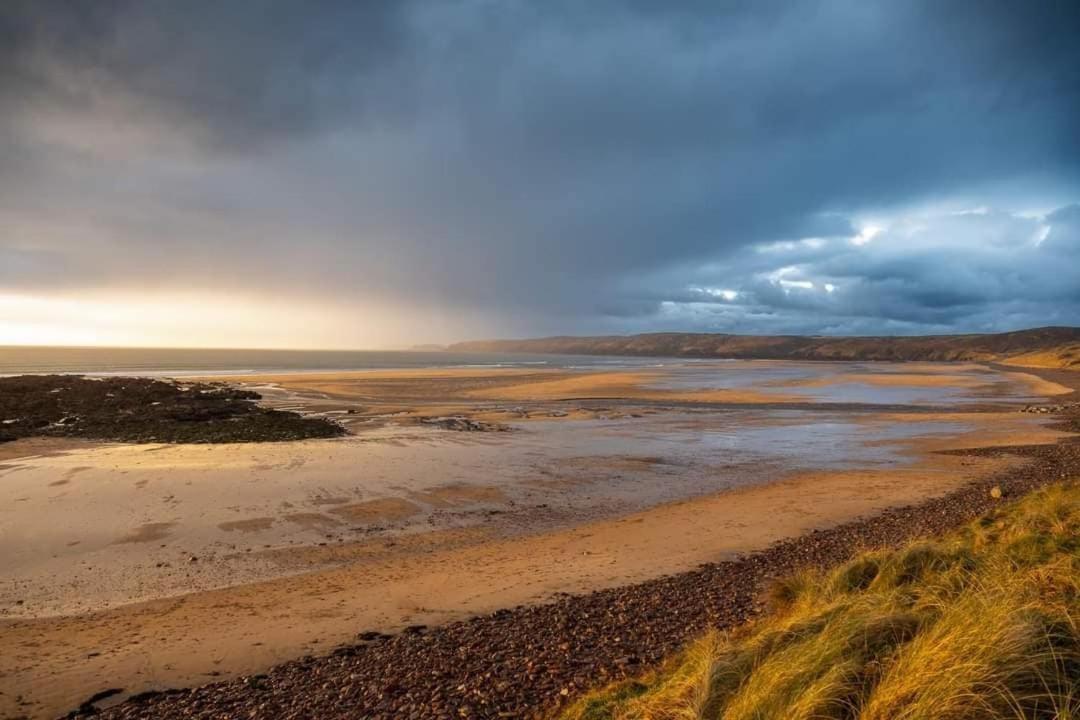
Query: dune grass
[[982, 624]]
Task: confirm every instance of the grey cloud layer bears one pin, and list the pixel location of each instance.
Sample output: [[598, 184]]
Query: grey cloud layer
[[991, 269], [580, 166]]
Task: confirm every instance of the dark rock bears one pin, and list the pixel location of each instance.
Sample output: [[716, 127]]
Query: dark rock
[[462, 424], [88, 704], [369, 635], [145, 410]]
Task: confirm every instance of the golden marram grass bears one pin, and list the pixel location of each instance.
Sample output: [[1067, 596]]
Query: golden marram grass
[[982, 624]]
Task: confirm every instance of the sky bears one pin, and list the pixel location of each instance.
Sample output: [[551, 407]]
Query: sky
[[322, 174]]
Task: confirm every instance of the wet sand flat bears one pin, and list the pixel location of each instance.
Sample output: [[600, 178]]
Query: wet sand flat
[[938, 378], [150, 566], [364, 399], [735, 382], [243, 629], [113, 524]]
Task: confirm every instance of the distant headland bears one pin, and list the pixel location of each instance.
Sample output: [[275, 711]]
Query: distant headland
[[1052, 347]]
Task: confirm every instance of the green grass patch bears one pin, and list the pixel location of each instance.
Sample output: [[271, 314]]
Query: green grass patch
[[982, 624]]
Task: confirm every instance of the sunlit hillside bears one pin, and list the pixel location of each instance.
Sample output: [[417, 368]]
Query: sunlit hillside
[[1044, 347]]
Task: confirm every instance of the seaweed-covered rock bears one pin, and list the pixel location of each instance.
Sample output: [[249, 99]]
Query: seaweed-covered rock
[[145, 410]]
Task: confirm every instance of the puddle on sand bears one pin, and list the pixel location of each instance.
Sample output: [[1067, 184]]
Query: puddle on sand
[[852, 382], [133, 517]]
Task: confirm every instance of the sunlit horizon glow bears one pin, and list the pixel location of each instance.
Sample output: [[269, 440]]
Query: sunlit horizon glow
[[198, 320], [386, 174]]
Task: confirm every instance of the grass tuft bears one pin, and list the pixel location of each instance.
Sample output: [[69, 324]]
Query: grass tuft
[[982, 624]]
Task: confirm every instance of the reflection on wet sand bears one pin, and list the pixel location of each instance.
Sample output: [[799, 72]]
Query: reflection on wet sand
[[135, 506], [413, 523]]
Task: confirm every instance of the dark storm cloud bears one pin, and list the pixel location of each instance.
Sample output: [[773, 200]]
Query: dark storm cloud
[[577, 166], [233, 73]]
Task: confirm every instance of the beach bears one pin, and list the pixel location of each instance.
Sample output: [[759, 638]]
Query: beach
[[175, 565]]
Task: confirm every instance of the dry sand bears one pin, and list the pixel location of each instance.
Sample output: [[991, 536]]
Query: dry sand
[[457, 390], [624, 385], [1067, 357], [479, 393], [936, 378]]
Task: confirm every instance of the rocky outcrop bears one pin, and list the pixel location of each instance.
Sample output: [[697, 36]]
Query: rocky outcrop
[[145, 410]]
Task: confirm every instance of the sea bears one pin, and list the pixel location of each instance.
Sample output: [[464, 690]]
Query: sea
[[166, 362]]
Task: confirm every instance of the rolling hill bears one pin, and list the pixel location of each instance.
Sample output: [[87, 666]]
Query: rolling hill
[[1051, 347]]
